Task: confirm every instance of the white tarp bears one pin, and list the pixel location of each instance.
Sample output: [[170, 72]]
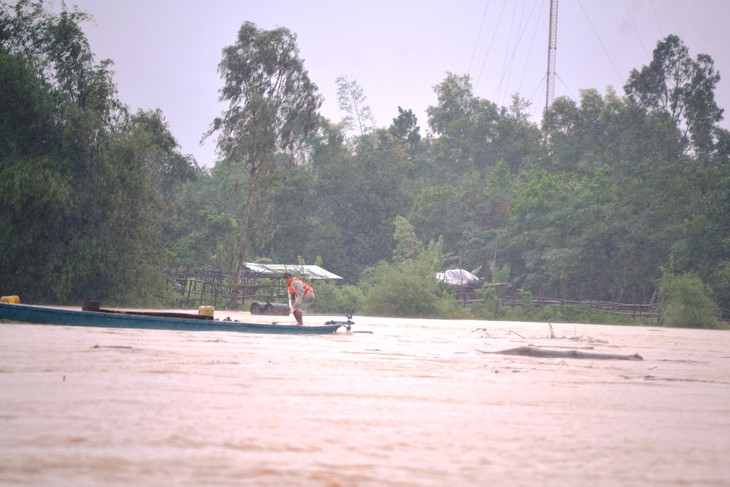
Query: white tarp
[[307, 271], [457, 277]]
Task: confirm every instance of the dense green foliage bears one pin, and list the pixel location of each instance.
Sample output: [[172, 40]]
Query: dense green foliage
[[95, 202], [85, 187]]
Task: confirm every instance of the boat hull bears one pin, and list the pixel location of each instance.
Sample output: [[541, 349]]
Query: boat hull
[[21, 313]]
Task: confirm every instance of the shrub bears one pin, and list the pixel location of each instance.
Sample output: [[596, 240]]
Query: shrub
[[408, 289], [334, 299], [686, 302]]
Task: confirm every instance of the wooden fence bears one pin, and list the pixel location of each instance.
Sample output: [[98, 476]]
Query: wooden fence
[[629, 309], [207, 287], [472, 297]]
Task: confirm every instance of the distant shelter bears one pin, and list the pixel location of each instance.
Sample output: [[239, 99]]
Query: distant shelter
[[261, 283]]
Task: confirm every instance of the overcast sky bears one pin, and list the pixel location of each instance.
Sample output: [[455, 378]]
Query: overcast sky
[[166, 52]]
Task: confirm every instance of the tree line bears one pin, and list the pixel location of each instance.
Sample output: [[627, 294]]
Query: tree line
[[612, 197]]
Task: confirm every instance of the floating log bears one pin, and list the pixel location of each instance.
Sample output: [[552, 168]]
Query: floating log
[[547, 353]]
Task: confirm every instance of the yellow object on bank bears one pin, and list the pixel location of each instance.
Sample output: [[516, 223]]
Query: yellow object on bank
[[205, 311], [10, 299]]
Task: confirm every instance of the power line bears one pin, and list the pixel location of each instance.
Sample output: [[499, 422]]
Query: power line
[[538, 89], [490, 45], [603, 46], [532, 42], [505, 64], [479, 34], [570, 93], [636, 29], [5, 7], [653, 8], [522, 29]]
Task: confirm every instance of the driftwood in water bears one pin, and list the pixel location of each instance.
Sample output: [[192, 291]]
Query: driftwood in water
[[546, 353]]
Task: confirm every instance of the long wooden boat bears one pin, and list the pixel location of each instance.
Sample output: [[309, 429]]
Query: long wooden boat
[[21, 313]]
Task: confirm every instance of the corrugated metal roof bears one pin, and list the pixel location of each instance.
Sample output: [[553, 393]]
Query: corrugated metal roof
[[308, 271]]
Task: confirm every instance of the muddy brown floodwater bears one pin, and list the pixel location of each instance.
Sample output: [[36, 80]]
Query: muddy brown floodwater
[[414, 403]]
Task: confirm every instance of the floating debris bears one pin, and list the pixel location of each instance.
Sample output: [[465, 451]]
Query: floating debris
[[547, 353]]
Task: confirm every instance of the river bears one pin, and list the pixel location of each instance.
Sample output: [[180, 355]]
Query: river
[[400, 402]]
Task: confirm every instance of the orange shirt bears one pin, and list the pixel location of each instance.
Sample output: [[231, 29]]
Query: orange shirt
[[306, 287]]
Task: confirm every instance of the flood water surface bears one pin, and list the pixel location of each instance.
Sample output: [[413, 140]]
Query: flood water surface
[[414, 402]]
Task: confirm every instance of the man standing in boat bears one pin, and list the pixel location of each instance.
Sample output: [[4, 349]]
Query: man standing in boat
[[302, 295]]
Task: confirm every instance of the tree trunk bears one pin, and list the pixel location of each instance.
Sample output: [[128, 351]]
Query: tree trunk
[[243, 247]]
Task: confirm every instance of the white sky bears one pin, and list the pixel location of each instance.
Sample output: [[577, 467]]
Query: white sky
[[166, 52]]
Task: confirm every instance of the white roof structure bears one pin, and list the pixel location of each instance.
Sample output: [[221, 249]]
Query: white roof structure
[[307, 271]]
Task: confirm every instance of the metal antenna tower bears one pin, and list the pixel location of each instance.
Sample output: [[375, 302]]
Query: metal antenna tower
[[552, 48]]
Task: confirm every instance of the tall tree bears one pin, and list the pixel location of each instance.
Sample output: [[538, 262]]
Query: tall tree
[[272, 106], [352, 101], [84, 187], [681, 88], [487, 133]]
